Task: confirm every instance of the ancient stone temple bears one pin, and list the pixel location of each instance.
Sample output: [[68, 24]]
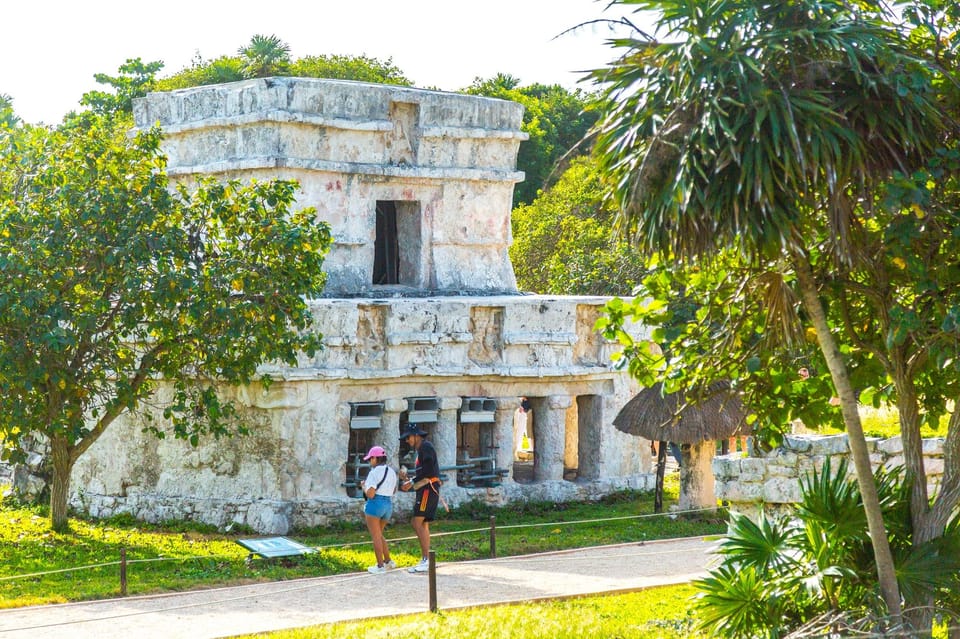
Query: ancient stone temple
[[421, 319]]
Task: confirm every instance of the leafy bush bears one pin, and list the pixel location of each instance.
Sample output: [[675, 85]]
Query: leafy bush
[[780, 574]]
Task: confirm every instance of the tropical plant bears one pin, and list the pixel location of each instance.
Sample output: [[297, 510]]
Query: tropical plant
[[761, 125], [112, 281], [264, 56], [780, 573]]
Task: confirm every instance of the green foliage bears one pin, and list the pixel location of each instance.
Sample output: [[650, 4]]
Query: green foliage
[[556, 119], [780, 573], [747, 115], [198, 556], [268, 62], [8, 119], [804, 138], [202, 72], [111, 281], [347, 67], [656, 613], [264, 56], [722, 321], [564, 241], [134, 80]]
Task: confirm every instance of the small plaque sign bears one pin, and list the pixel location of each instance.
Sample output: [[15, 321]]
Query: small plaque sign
[[275, 547]]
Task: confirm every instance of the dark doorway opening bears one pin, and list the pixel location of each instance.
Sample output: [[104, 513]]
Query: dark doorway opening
[[386, 250]]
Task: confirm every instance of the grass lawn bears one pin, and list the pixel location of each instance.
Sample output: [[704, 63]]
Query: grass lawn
[[656, 613], [180, 557]]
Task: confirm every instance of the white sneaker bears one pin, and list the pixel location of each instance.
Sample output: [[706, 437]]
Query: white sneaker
[[423, 566], [390, 565], [376, 570]]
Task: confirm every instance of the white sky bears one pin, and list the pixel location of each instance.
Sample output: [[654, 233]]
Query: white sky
[[50, 49]]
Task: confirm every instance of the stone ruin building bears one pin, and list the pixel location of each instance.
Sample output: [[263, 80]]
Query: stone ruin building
[[421, 317]]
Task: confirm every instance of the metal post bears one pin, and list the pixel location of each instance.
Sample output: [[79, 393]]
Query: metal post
[[123, 572], [432, 574], [493, 537]]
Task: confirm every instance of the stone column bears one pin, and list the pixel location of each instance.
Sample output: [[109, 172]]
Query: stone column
[[550, 421], [503, 434], [696, 477], [390, 428], [445, 435]]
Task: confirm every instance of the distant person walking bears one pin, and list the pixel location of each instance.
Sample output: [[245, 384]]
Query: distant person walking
[[426, 483], [378, 489]]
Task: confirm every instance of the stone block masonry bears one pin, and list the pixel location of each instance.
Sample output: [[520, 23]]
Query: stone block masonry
[[421, 319], [770, 482]]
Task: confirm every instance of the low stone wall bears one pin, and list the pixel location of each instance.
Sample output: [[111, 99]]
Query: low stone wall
[[771, 481], [280, 517]]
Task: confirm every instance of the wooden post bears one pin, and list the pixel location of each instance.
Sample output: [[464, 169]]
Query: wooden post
[[123, 572], [493, 537], [661, 468], [432, 574]]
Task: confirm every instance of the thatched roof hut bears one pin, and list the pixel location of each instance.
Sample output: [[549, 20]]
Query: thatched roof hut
[[717, 415]]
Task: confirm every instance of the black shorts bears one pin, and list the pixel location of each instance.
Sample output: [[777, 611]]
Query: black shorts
[[425, 504]]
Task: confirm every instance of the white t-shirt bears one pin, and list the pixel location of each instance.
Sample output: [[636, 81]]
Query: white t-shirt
[[389, 485]]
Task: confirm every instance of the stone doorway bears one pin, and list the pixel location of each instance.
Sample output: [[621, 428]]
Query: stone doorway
[[398, 244]]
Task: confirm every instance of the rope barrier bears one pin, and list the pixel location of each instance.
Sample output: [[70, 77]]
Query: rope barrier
[[360, 543]]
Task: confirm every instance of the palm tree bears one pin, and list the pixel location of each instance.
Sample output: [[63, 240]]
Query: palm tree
[[265, 56], [761, 124]]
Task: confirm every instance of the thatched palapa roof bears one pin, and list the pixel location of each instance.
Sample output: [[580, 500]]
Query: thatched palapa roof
[[717, 415]]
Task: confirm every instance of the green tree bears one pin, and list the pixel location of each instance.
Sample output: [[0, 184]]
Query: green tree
[[134, 80], [759, 125], [556, 119], [264, 56], [564, 242], [112, 281]]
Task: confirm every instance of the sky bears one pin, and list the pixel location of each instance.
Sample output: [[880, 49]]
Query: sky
[[51, 49]]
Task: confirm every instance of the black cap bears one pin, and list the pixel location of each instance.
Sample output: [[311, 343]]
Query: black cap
[[412, 429]]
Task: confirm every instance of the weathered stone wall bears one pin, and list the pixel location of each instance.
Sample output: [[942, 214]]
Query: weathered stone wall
[[771, 481], [451, 329], [290, 470], [448, 157]]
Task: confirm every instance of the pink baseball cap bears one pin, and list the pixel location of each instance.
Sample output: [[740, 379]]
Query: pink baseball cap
[[376, 451]]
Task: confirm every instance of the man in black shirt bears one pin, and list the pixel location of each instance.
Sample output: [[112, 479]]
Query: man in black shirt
[[426, 483]]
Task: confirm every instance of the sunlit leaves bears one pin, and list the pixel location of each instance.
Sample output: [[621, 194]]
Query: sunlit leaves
[[564, 241], [111, 281]]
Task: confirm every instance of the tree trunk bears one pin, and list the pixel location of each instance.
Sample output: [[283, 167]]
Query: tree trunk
[[60, 482], [858, 444]]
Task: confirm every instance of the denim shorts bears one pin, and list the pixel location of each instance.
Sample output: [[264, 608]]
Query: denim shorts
[[380, 507]]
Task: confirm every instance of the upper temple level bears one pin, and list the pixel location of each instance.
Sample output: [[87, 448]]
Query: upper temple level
[[416, 185]]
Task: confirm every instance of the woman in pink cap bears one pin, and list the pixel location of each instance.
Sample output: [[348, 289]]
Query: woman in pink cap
[[378, 489]]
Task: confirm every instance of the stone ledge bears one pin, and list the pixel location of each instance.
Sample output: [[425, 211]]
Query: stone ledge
[[351, 168], [279, 116]]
